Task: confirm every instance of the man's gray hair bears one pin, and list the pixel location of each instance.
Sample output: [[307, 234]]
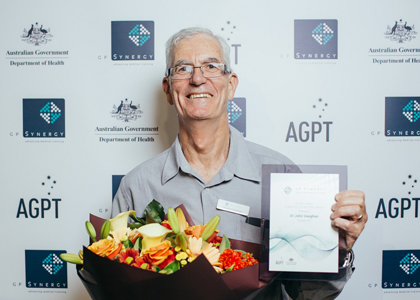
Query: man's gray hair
[[189, 33]]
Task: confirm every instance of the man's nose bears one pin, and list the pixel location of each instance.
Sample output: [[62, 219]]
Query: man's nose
[[197, 76]]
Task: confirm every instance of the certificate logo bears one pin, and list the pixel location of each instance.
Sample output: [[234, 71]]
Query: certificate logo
[[133, 40], [399, 269], [237, 114], [44, 269], [316, 39], [43, 118], [402, 116]]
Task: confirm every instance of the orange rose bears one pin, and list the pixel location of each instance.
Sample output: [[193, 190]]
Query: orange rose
[[158, 253], [105, 247]]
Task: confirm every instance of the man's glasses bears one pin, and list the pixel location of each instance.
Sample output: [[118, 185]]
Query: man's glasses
[[209, 70]]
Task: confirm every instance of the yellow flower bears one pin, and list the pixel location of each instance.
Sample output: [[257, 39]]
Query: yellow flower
[[120, 220], [194, 245], [212, 254], [120, 235], [152, 234]]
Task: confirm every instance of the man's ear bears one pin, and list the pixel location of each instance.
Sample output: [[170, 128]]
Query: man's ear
[[167, 89], [233, 83]]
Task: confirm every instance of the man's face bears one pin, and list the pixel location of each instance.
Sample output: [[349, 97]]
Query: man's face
[[200, 98]]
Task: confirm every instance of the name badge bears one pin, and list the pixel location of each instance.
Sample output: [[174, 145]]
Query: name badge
[[233, 207]]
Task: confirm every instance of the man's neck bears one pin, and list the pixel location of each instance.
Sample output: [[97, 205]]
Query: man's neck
[[205, 146]]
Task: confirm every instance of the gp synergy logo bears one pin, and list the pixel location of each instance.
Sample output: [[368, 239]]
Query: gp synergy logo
[[237, 114], [316, 39], [399, 269], [133, 40], [43, 118], [45, 269], [402, 116]]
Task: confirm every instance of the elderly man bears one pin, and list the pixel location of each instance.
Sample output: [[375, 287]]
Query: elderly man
[[210, 160]]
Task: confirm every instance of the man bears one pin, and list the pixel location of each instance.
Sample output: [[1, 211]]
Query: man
[[211, 160]]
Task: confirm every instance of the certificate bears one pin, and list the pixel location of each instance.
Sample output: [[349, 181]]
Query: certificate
[[301, 238]]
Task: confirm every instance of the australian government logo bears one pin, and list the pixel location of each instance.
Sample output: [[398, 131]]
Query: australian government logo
[[400, 269], [45, 270], [36, 36], [402, 118], [316, 39], [236, 110], [133, 40], [400, 33], [43, 118], [128, 113]]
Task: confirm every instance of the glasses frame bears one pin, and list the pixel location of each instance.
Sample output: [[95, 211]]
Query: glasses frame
[[170, 70]]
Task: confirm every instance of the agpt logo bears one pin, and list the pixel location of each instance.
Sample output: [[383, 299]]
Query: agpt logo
[[44, 269], [401, 207], [402, 116], [316, 39], [133, 40], [237, 114], [400, 269], [40, 208], [305, 131], [43, 118]]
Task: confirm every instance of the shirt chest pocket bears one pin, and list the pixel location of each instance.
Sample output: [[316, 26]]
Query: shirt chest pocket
[[235, 226]]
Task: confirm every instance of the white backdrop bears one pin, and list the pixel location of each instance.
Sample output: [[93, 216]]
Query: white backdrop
[[349, 91]]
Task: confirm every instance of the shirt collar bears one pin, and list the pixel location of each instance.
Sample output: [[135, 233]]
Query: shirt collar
[[238, 163]]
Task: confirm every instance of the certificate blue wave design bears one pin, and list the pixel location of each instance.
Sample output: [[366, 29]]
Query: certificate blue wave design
[[308, 246]]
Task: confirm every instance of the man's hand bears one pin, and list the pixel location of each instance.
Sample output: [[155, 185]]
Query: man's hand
[[349, 215]]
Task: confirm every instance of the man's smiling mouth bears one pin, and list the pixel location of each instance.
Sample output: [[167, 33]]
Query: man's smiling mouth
[[193, 96]]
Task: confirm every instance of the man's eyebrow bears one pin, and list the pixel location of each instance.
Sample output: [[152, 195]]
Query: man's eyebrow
[[187, 62]]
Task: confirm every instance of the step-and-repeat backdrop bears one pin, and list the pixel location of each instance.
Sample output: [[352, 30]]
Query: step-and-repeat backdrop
[[323, 82]]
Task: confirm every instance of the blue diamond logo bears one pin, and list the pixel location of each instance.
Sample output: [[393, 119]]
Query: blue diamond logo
[[50, 112], [139, 35], [52, 264], [322, 34], [234, 112], [410, 263]]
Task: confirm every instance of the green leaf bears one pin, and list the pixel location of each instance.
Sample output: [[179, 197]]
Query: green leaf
[[136, 224], [137, 219], [155, 205], [152, 217], [230, 268], [224, 244], [172, 267], [128, 244], [137, 244]]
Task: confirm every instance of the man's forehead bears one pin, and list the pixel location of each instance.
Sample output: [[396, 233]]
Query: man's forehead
[[202, 47]]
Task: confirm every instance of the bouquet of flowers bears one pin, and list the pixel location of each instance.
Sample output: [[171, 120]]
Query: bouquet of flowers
[[154, 257]]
